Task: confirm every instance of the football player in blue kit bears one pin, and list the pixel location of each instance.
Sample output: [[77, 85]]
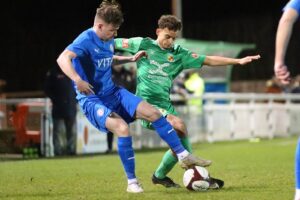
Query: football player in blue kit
[[283, 35], [87, 61]]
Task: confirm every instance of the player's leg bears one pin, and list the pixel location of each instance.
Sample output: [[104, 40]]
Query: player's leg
[[109, 140], [71, 134], [58, 136], [135, 107], [163, 128], [167, 133], [169, 159], [297, 171], [115, 124], [105, 120]]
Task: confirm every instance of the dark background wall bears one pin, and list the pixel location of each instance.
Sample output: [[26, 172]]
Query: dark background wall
[[34, 32]]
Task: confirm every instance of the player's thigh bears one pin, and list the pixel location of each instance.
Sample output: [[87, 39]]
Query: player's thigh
[[178, 124], [127, 105], [147, 112], [115, 124], [98, 114]]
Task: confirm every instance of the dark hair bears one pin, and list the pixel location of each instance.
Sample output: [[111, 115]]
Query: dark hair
[[169, 21], [110, 12]]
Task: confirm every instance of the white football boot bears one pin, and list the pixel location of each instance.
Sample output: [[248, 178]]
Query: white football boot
[[190, 161], [134, 187]]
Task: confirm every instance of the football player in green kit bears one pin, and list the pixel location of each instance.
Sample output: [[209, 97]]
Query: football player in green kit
[[155, 75]]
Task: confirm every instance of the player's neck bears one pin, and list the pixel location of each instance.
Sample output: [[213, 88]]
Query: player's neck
[[157, 42]]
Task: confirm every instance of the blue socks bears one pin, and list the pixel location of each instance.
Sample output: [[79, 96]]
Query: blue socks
[[297, 165], [126, 154], [168, 134], [165, 131]]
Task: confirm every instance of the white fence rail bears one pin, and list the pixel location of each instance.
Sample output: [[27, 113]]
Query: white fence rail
[[234, 116]]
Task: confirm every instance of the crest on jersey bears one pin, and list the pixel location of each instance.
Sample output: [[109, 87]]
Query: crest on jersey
[[170, 58], [125, 43], [100, 112], [111, 47], [194, 55]]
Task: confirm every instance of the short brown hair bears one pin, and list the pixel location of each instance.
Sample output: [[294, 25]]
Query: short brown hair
[[169, 21], [110, 12]]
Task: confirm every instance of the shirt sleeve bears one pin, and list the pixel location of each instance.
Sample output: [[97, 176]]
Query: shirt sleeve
[[131, 45], [294, 4], [191, 59], [78, 47]]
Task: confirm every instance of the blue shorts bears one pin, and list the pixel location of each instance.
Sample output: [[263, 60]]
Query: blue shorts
[[97, 109]]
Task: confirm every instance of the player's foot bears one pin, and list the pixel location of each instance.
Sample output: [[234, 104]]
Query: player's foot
[[215, 183], [167, 182], [134, 187], [191, 161]]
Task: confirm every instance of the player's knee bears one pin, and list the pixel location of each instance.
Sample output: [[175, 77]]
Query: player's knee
[[152, 114], [180, 128], [155, 114], [122, 129], [181, 125]]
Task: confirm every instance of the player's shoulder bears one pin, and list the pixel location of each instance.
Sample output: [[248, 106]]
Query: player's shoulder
[[179, 49], [148, 40], [84, 36]]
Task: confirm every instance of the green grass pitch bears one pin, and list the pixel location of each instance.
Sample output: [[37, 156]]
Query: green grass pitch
[[252, 171]]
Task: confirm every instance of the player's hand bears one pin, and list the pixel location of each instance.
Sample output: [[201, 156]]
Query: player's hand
[[248, 59], [139, 55], [282, 73], [84, 87]]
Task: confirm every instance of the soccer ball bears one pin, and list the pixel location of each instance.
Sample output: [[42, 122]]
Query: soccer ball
[[196, 179]]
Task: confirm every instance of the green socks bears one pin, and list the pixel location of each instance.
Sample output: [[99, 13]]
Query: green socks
[[186, 143], [169, 160]]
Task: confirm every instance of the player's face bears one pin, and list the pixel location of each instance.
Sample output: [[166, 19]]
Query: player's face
[[108, 31], [166, 37]]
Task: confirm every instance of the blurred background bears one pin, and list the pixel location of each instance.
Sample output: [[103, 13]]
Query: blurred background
[[35, 32]]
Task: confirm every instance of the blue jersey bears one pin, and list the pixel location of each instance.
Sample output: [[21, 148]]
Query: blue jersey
[[93, 62], [294, 4]]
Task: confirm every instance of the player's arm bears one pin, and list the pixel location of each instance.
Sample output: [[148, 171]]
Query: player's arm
[[65, 63], [131, 45], [221, 61], [118, 60], [193, 60], [283, 36]]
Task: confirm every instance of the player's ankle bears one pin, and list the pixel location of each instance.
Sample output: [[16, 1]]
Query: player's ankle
[[133, 180], [182, 155]]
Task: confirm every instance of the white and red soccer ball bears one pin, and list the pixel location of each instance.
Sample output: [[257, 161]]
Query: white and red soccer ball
[[196, 179]]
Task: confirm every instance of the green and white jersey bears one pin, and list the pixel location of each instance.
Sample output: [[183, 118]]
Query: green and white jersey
[[156, 73]]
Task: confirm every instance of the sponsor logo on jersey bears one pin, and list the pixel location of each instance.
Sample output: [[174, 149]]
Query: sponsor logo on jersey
[[194, 55], [160, 67], [158, 79], [125, 43], [97, 50], [104, 62]]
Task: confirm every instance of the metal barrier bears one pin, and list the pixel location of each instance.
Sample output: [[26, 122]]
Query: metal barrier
[[30, 118]]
